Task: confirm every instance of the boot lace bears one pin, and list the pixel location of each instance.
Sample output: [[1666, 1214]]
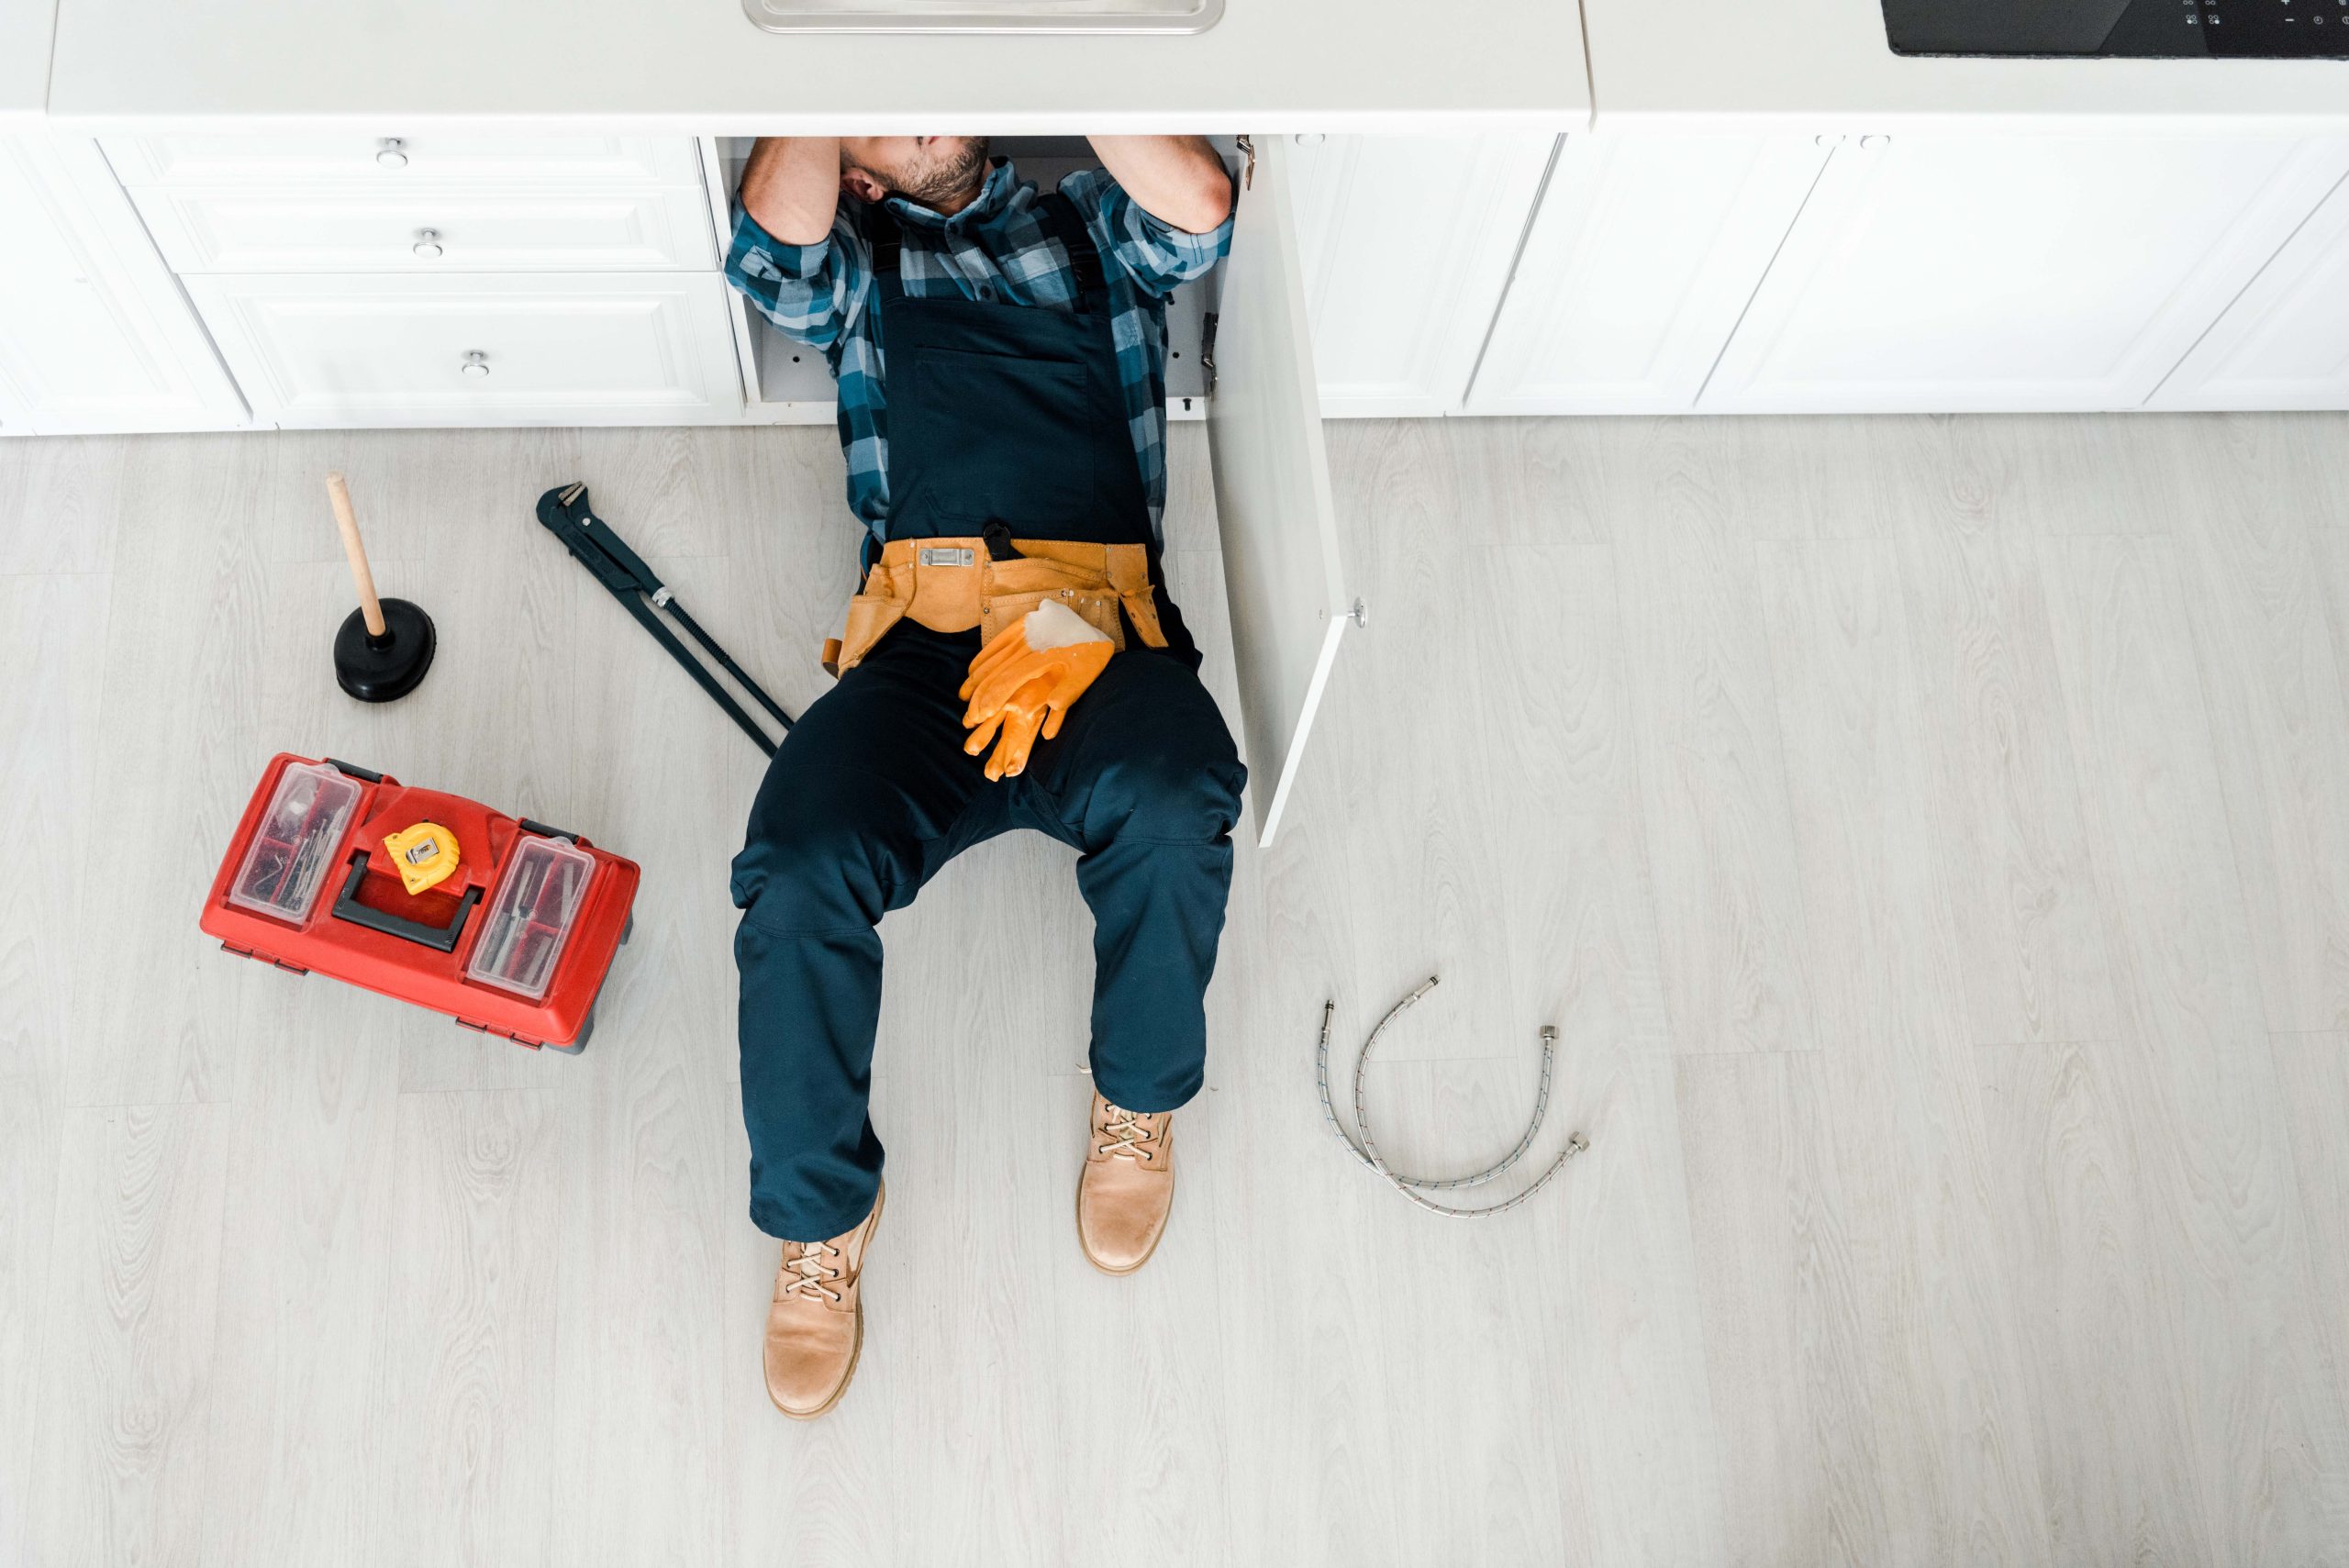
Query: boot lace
[[1130, 1138], [808, 1274]]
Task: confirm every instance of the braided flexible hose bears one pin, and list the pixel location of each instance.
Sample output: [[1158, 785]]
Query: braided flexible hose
[[1365, 1151]]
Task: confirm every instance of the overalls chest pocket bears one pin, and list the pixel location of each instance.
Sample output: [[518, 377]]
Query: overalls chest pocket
[[964, 409]]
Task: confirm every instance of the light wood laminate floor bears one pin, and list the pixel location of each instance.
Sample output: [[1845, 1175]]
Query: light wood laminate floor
[[1930, 837]]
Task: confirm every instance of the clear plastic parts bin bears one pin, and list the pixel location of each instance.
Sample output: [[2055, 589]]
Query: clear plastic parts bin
[[292, 852], [530, 916]]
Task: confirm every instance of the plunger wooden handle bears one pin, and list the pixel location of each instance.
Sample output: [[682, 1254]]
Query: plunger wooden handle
[[347, 521]]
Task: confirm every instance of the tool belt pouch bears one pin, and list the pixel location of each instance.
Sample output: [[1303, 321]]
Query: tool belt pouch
[[953, 584]]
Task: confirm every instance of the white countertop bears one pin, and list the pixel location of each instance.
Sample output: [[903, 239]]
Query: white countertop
[[1824, 63], [24, 58], [1270, 65], [699, 65]]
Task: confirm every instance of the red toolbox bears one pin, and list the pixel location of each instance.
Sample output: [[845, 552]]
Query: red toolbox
[[506, 925]]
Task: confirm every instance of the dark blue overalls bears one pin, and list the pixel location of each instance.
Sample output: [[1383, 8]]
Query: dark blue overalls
[[1009, 416]]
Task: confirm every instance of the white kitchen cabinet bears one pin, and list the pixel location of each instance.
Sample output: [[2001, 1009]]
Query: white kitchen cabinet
[[445, 279], [1284, 570], [1984, 271], [1646, 247], [94, 333], [2283, 343], [478, 348], [428, 227], [16, 417], [1406, 243], [273, 160]]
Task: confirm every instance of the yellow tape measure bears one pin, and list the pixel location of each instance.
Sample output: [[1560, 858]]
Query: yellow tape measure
[[425, 854]]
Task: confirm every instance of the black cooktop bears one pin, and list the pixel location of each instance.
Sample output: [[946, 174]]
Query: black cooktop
[[2245, 30]]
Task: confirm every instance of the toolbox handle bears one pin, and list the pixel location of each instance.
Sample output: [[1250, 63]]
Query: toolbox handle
[[442, 939]]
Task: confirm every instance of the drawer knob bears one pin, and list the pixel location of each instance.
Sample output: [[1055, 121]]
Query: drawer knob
[[391, 153], [427, 243], [476, 365]]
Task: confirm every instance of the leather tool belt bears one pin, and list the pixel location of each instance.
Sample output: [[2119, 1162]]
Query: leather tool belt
[[953, 584]]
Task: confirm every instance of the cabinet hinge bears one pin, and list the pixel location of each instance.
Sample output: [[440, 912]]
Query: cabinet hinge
[[1248, 169], [1206, 346]]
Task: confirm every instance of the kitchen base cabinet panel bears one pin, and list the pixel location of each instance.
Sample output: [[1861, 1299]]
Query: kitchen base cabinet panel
[[2283, 343], [16, 419], [1932, 273], [638, 348], [439, 229], [1646, 248], [94, 333], [1392, 341], [404, 156]]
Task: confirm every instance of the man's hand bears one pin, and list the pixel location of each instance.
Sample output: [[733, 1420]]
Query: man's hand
[[1176, 179], [791, 186]]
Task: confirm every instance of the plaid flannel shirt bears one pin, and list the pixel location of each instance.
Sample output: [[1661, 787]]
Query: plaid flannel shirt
[[994, 250]]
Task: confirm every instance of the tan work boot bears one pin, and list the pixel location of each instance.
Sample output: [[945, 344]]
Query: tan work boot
[[816, 1327], [1126, 1187]]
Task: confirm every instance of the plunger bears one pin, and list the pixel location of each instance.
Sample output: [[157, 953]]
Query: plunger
[[384, 647]]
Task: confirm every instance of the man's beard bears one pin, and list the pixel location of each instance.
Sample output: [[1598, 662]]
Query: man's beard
[[950, 179]]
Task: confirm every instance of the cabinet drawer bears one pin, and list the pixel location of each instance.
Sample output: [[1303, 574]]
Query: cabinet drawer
[[428, 227], [382, 161], [645, 347]]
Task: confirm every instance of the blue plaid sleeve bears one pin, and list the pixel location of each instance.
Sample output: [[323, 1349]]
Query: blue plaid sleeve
[[811, 292], [1158, 254]]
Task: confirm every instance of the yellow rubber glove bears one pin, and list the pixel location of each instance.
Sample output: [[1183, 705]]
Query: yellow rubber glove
[[1023, 682]]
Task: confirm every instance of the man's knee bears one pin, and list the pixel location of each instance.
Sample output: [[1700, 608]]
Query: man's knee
[[823, 854], [1179, 782]]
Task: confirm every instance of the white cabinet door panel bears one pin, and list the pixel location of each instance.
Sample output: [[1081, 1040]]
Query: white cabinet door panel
[[519, 161], [1645, 250], [425, 228], [1279, 529], [2285, 341], [1932, 273], [1406, 243], [94, 333], [16, 415], [646, 348]]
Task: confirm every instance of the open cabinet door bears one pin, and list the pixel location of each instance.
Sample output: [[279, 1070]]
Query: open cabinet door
[[1281, 568]]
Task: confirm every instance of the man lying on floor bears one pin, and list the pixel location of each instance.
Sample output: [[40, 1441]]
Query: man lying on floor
[[1012, 662]]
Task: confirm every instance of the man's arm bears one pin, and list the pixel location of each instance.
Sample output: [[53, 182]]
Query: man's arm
[[794, 255], [1178, 180], [791, 186]]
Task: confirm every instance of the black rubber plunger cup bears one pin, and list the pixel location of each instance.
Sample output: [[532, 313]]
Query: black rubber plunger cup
[[386, 645], [381, 669]]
